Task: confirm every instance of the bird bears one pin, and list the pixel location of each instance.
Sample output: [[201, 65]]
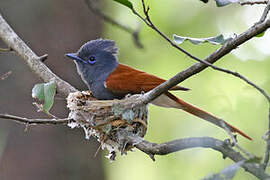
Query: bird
[[107, 79]]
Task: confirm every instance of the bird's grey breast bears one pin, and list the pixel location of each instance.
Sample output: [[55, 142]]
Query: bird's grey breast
[[95, 79]]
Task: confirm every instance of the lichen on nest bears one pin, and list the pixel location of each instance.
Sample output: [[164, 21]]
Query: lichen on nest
[[108, 120]]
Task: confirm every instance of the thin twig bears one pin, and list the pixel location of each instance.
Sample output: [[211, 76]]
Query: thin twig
[[43, 57], [32, 60], [267, 139], [149, 23], [252, 2], [2, 50], [235, 143], [134, 33], [35, 121], [5, 75], [265, 12]]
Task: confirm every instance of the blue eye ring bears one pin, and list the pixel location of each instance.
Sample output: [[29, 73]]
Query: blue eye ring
[[92, 59]]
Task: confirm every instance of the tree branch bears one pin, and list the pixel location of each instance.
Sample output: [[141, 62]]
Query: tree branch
[[253, 2], [134, 33], [35, 121], [153, 149], [203, 142], [32, 60]]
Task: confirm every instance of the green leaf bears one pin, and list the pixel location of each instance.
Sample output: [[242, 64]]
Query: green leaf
[[125, 3], [221, 3], [261, 34], [213, 40], [38, 91], [45, 92], [227, 173]]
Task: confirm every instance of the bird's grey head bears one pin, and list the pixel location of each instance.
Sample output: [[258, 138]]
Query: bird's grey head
[[95, 60]]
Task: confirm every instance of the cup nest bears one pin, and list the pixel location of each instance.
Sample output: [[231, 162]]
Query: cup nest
[[109, 121]]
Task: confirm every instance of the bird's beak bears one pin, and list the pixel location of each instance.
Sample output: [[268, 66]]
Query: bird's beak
[[73, 56]]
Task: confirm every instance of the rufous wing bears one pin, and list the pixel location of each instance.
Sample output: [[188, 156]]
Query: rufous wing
[[127, 80]]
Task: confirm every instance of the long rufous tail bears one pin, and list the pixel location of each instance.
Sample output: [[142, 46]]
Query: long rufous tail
[[198, 112]]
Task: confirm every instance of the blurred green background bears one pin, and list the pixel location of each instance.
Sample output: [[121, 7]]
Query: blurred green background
[[216, 92]]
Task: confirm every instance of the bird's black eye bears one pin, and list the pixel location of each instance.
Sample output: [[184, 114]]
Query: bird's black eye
[[92, 59]]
